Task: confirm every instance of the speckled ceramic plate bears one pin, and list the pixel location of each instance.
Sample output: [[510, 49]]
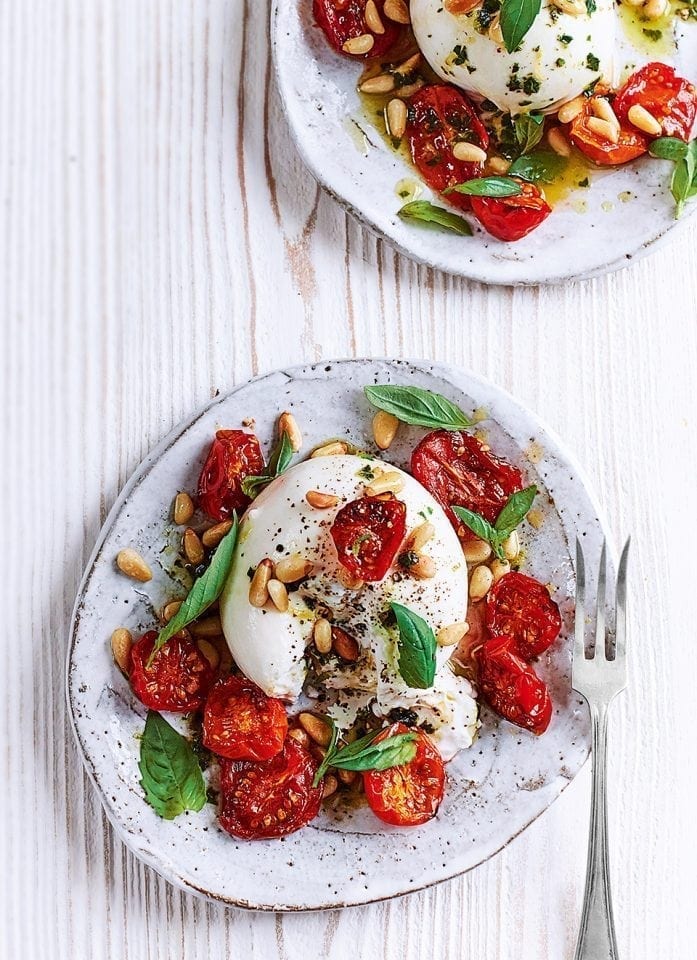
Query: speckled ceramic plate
[[623, 216], [494, 790]]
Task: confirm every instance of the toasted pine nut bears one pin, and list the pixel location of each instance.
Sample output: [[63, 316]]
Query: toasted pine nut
[[424, 568], [316, 728], [569, 111], [499, 568], [372, 18], [193, 548], [421, 536], [480, 582], [213, 535], [469, 152], [499, 165], [329, 786], [608, 131], [449, 636], [476, 551], [344, 645], [293, 568], [654, 9], [603, 108], [409, 65], [410, 88], [643, 120], [321, 501], [209, 652], [385, 424], [332, 449], [207, 627], [347, 777], [259, 587], [170, 609], [278, 594], [132, 564], [289, 425], [382, 83], [558, 142], [347, 579], [121, 643], [495, 31], [396, 10], [183, 508], [359, 45], [322, 635], [388, 482], [573, 7], [299, 736], [396, 123], [511, 546]]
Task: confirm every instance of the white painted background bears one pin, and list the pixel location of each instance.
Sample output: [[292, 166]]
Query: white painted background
[[160, 241]]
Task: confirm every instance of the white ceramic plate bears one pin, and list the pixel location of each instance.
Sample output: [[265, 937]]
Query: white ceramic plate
[[589, 233], [494, 790]]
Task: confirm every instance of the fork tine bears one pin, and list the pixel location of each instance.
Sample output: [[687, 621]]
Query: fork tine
[[580, 615], [621, 604], [600, 606]]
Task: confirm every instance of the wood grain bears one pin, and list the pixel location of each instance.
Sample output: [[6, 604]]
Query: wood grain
[[161, 241]]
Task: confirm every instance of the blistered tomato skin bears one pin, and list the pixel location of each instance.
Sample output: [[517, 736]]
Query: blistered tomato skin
[[241, 723], [668, 98], [512, 218], [344, 20], [512, 688], [179, 678], [521, 609], [632, 143], [234, 455], [367, 534]]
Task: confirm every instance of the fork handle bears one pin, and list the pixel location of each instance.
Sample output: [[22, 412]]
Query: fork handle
[[596, 940]]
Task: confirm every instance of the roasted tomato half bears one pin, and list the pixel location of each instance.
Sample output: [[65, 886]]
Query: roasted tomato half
[[511, 687], [411, 793], [367, 534], [511, 218], [241, 723], [265, 799], [632, 143], [345, 20], [179, 677], [458, 471], [233, 456], [670, 99], [521, 609], [439, 118]]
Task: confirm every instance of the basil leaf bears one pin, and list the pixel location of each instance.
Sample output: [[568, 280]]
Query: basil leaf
[[171, 777], [331, 750], [417, 648], [205, 591], [668, 148], [421, 408], [481, 528], [591, 7], [683, 177], [528, 130], [516, 18], [514, 511], [545, 165], [280, 458], [363, 754], [426, 212], [487, 187]]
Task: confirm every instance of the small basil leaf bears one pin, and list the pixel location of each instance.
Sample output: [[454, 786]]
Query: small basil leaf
[[421, 408], [481, 528], [171, 777], [514, 511], [390, 752], [682, 180], [668, 148], [417, 648], [516, 18], [424, 211], [487, 187], [529, 128], [545, 165], [279, 461]]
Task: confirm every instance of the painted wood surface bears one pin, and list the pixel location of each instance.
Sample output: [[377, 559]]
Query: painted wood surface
[[161, 241]]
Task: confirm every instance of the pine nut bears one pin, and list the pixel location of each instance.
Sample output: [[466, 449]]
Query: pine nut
[[575, 8], [421, 536], [332, 449], [207, 627], [569, 111], [347, 777], [384, 424], [397, 11], [300, 737], [289, 425], [278, 594], [317, 729], [372, 18], [322, 635], [499, 568], [558, 142], [193, 548], [321, 501], [654, 9], [329, 786], [409, 89], [121, 643], [170, 609], [603, 109], [382, 83], [388, 482], [213, 535], [469, 153], [476, 551], [449, 636], [357, 46], [209, 652], [643, 120], [499, 165], [424, 568], [480, 582], [511, 546], [183, 509], [608, 131], [293, 568], [495, 31], [396, 123], [259, 587], [348, 580], [409, 65], [344, 645], [132, 564]]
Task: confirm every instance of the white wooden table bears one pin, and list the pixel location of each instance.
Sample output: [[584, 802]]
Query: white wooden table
[[161, 241]]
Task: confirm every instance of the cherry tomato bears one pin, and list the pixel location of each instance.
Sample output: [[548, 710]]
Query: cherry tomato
[[670, 99], [344, 20], [631, 144], [367, 534], [512, 688], [458, 471], [179, 677], [241, 723], [269, 798], [411, 793], [439, 117], [511, 218], [233, 456], [521, 609]]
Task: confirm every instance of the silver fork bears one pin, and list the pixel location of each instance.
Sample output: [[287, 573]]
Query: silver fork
[[599, 677]]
